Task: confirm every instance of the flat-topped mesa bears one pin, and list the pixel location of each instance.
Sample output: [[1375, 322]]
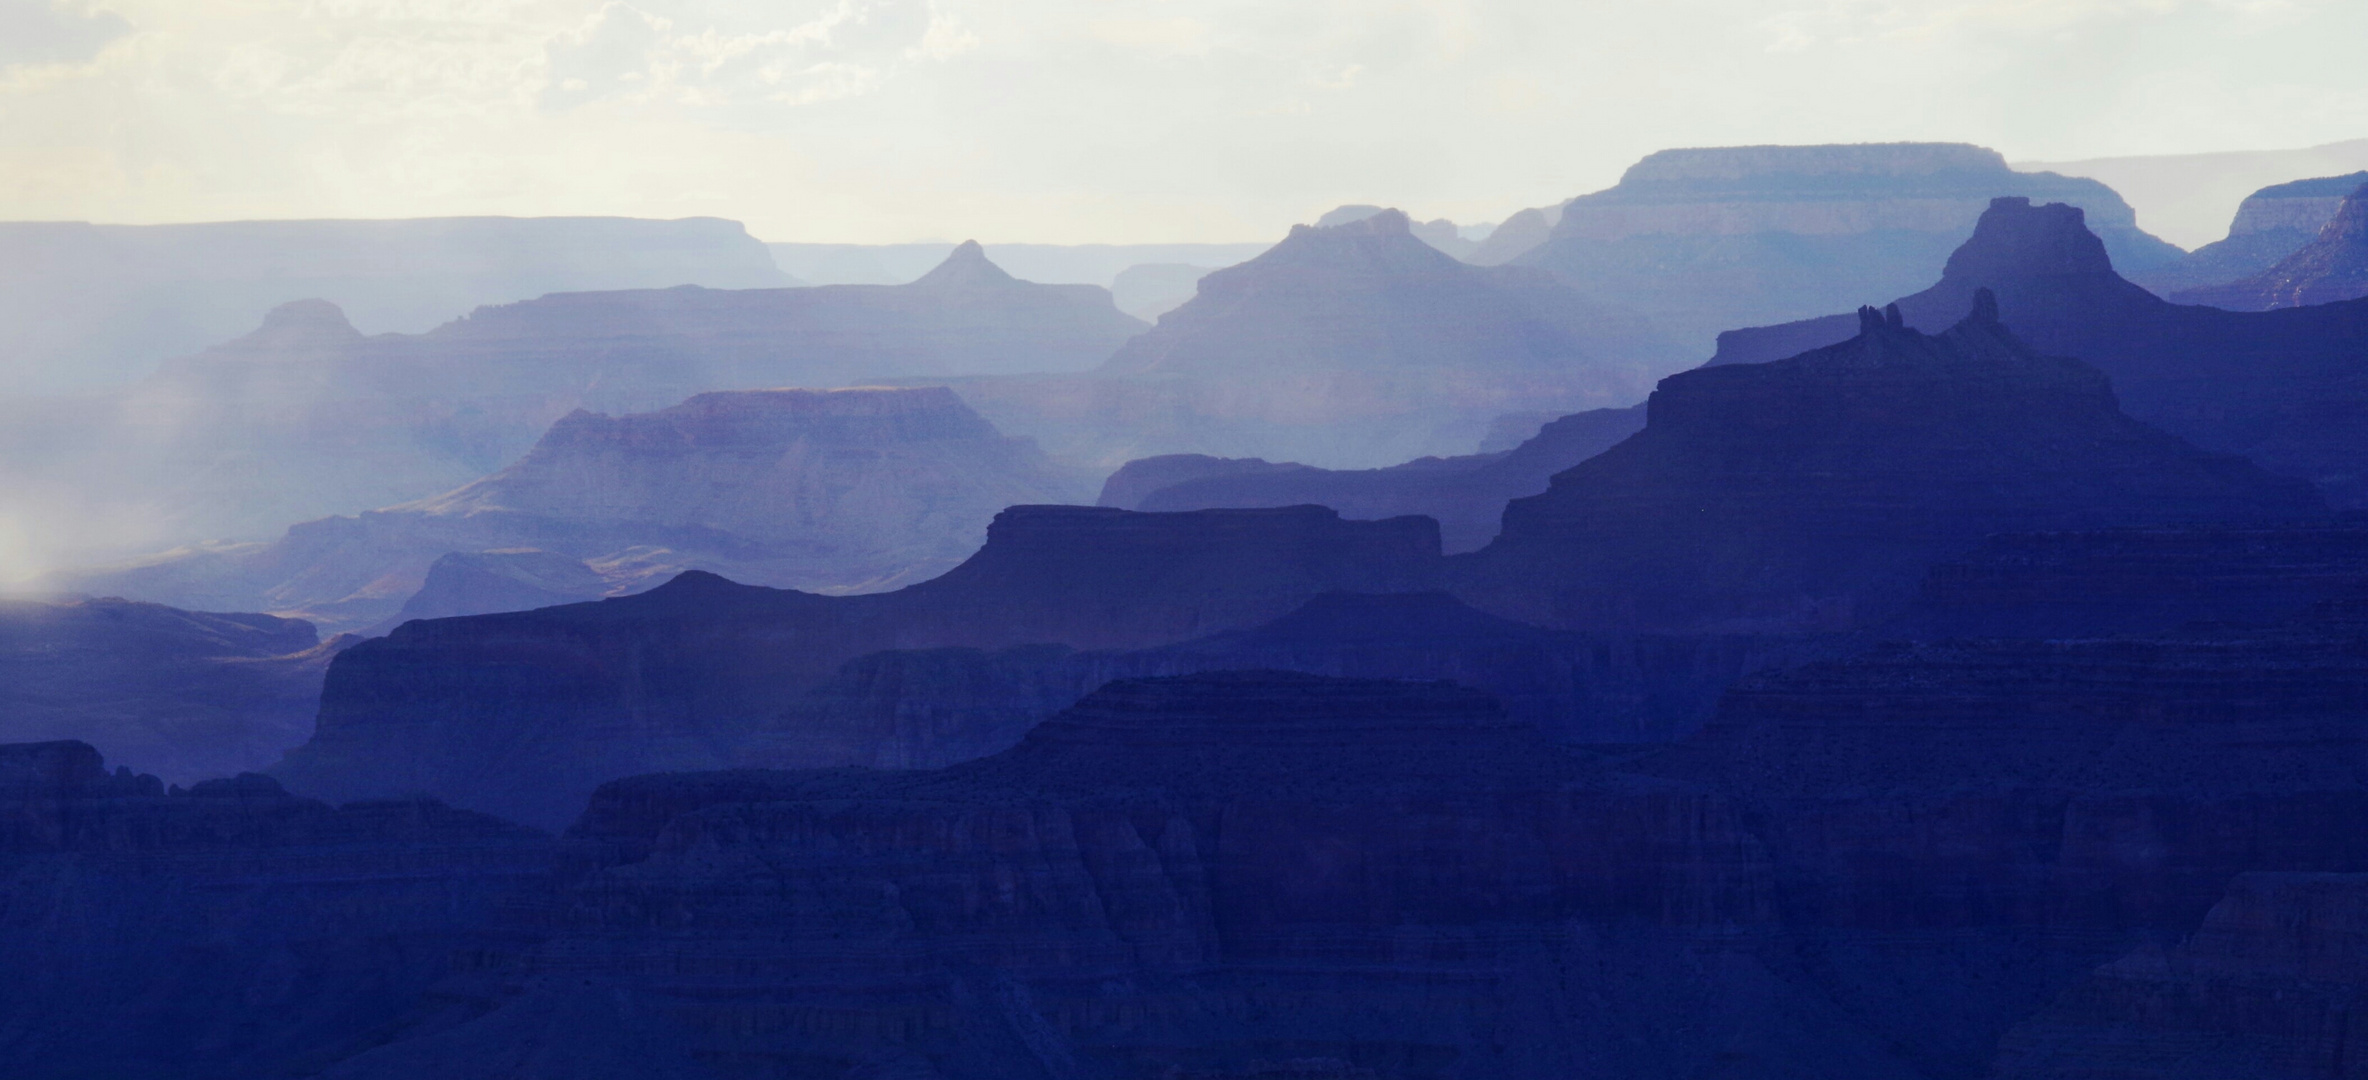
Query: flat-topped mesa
[[1813, 492], [2332, 267]]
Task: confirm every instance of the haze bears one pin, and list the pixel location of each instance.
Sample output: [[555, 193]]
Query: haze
[[1088, 120]]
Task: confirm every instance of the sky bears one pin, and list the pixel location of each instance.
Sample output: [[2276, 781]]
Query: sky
[[1075, 121]]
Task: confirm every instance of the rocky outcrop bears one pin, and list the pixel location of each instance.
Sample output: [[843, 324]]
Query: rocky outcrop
[[520, 714], [826, 490], [181, 694], [1706, 240], [2270, 225], [2332, 266], [2277, 387], [229, 930], [1351, 346], [97, 306], [305, 418], [1814, 492], [2270, 986], [1466, 495]]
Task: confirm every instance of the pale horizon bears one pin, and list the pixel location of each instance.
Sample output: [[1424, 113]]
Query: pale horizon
[[1068, 121]]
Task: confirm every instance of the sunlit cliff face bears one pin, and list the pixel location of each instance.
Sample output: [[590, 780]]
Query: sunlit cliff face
[[1082, 120]]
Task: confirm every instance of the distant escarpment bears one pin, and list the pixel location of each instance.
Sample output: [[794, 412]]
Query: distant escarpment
[[1706, 240], [181, 694], [1349, 346], [2332, 266], [2270, 225], [230, 930], [1466, 495], [2278, 387], [98, 306], [1814, 492], [839, 490], [305, 417], [520, 714]]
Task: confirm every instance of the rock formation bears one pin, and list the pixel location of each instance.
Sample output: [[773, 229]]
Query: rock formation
[[2277, 387], [1466, 495], [1706, 240], [1814, 492], [230, 930], [826, 490], [306, 417], [1516, 236], [2270, 986], [98, 306], [2270, 225], [1350, 346], [560, 699], [2332, 266], [181, 694]]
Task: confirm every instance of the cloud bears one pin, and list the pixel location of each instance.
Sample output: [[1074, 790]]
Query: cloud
[[55, 31], [738, 66]]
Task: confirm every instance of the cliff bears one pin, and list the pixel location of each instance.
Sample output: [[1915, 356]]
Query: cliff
[[2276, 387], [826, 490], [1706, 240], [1192, 876], [229, 930], [306, 418], [1814, 492], [1466, 495], [2269, 986], [2269, 225], [182, 694], [2332, 266], [556, 701], [1353, 345]]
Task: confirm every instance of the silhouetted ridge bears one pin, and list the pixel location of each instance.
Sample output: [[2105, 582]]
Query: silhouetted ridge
[[966, 267], [1813, 491]]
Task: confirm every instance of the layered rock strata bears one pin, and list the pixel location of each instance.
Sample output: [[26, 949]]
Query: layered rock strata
[[841, 490], [230, 930], [2333, 266], [2270, 225]]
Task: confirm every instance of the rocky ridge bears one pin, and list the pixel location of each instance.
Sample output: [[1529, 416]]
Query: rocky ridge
[[2333, 266], [1813, 492]]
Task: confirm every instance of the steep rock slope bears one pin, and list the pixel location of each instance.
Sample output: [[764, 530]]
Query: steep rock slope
[[305, 417], [2279, 387], [229, 931], [2270, 986], [2332, 266], [1213, 875], [1705, 240], [824, 490], [2271, 224], [95, 306], [521, 714], [181, 694], [1815, 491], [1349, 346], [1466, 495]]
